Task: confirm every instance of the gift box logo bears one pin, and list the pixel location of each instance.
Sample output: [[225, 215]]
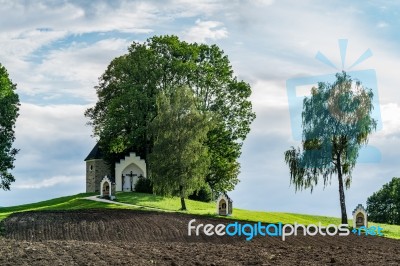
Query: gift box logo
[[294, 86]]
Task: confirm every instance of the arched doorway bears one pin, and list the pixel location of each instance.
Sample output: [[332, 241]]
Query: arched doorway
[[127, 172], [360, 220], [130, 176], [222, 207], [106, 190]]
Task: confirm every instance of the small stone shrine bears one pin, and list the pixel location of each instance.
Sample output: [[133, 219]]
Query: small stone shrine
[[359, 217], [107, 188], [224, 205]]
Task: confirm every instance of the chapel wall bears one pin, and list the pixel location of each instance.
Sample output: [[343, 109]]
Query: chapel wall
[[95, 171]]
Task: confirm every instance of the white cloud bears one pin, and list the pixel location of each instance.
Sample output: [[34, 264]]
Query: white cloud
[[189, 8], [263, 2], [48, 182], [51, 122], [79, 67], [72, 71], [99, 16], [390, 121], [53, 140], [17, 47], [203, 30], [30, 26], [382, 24]]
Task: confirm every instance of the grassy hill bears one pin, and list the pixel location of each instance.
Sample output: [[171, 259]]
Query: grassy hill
[[142, 201], [73, 202]]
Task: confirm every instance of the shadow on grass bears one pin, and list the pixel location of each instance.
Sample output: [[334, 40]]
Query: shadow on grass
[[136, 197]]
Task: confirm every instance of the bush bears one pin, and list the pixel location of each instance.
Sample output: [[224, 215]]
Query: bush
[[203, 194], [144, 185]]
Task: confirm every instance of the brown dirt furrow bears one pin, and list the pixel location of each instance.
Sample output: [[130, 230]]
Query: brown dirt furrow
[[125, 237]]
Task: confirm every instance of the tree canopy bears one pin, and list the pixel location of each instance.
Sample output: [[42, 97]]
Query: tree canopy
[[9, 107], [384, 205], [127, 94], [336, 121], [179, 160]]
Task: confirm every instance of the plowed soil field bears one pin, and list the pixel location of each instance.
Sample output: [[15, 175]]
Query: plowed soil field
[[124, 237]]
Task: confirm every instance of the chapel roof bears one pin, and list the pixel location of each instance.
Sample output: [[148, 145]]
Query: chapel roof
[[95, 153], [226, 196], [109, 177], [358, 208]]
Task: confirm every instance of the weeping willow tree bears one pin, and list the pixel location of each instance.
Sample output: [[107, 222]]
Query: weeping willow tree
[[336, 122]]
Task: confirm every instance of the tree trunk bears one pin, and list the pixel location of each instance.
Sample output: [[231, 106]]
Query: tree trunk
[[146, 155], [183, 204], [147, 149], [341, 194]]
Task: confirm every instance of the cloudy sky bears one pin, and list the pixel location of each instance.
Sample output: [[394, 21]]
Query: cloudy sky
[[56, 50]]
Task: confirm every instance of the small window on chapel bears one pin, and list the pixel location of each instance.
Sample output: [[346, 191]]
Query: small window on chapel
[[91, 167]]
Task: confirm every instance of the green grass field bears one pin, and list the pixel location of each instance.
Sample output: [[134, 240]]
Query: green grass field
[[202, 208], [76, 202]]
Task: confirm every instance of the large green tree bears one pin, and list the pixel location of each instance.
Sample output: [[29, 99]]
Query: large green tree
[[127, 105], [9, 107], [384, 205], [179, 160], [336, 121], [207, 70]]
